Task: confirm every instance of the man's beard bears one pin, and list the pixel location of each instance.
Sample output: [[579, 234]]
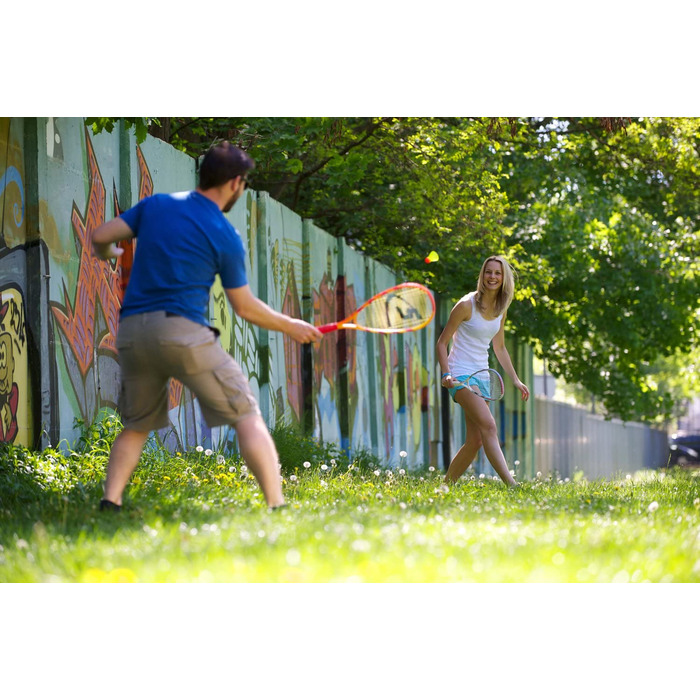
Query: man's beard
[[229, 205]]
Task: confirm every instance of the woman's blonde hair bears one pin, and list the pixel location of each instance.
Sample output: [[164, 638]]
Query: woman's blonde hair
[[505, 293]]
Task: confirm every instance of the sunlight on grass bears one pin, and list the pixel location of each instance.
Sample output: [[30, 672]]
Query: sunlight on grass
[[200, 517]]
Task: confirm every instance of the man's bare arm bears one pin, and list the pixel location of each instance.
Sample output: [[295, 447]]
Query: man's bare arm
[[105, 236]]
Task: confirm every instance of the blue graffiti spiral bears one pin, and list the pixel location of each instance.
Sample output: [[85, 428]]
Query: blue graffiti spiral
[[12, 175]]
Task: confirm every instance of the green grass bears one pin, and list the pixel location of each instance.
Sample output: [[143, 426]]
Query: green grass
[[199, 517]]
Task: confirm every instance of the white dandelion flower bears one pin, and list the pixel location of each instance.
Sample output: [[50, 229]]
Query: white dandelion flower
[[200, 448], [307, 465], [403, 454], [402, 472], [431, 469], [220, 459], [652, 506], [293, 557], [324, 467], [208, 453]]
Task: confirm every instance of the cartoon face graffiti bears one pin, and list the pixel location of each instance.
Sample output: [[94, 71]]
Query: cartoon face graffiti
[[7, 364], [8, 390]]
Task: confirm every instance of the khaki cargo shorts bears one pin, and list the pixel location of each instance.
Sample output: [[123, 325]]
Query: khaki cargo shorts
[[155, 346]]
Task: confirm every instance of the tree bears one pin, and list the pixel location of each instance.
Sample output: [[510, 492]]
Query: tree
[[612, 225]]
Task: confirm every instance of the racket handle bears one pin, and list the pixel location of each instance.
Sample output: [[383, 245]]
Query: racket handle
[[328, 328]]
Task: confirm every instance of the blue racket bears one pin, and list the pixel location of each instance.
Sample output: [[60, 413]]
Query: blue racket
[[486, 383]]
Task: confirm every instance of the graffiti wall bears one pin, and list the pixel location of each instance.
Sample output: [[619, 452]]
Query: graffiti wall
[[59, 307], [16, 420]]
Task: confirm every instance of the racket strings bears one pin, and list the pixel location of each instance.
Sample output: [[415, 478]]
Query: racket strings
[[488, 384], [400, 309]]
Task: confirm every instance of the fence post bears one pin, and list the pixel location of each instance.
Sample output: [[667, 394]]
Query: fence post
[[424, 396], [445, 399], [40, 341], [371, 372], [263, 240], [307, 313], [342, 399]]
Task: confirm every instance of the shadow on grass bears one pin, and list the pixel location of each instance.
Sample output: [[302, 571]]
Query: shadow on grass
[[61, 496]]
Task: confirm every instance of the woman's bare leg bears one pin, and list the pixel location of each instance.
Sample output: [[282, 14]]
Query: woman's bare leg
[[477, 411], [465, 455]]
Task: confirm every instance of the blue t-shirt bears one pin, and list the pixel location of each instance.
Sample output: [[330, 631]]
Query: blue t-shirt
[[183, 241]]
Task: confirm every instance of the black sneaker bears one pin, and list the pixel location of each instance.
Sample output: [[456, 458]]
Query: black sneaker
[[108, 505]]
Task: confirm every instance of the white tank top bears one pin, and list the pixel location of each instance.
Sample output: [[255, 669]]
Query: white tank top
[[470, 343]]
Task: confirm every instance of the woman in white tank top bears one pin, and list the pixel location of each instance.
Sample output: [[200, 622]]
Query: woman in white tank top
[[477, 320]]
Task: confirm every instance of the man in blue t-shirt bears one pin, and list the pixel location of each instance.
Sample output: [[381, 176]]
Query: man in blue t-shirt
[[184, 241]]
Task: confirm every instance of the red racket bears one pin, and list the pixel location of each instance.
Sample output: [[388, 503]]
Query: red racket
[[400, 309]]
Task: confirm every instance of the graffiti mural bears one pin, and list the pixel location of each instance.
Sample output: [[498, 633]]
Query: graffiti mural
[[387, 371], [15, 382], [11, 177], [14, 394], [12, 193], [415, 372], [335, 353], [292, 349], [87, 316]]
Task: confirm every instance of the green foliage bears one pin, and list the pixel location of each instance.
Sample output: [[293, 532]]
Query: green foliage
[[299, 453], [617, 283], [97, 437], [295, 449], [139, 124]]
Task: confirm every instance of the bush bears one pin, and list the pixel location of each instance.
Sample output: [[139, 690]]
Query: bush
[[295, 448]]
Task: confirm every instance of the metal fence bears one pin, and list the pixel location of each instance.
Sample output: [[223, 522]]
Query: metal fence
[[569, 439]]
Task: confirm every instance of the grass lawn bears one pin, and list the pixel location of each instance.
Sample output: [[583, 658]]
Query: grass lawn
[[199, 518]]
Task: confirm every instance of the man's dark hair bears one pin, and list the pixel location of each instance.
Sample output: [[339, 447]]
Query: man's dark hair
[[221, 163]]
